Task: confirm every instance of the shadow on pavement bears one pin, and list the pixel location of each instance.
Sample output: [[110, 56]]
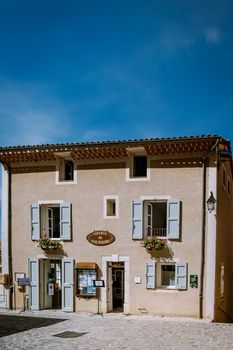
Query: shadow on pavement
[[15, 324]]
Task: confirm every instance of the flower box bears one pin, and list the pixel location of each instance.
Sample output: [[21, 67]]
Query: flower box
[[49, 244], [154, 243]]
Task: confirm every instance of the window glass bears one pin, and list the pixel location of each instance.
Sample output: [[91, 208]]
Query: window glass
[[68, 170], [156, 219], [54, 222], [168, 275], [111, 207], [140, 166]]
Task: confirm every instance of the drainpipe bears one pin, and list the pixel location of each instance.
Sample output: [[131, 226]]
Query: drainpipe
[[8, 167], [202, 273], [203, 239]]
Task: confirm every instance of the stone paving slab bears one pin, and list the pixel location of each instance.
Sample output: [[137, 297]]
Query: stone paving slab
[[116, 331]]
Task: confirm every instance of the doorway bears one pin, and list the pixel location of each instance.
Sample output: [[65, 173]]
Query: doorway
[[51, 282], [118, 287]]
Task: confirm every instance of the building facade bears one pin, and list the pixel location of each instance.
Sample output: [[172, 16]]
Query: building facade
[[119, 226]]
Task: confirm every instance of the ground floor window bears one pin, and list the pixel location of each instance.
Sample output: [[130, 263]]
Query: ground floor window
[[168, 275]]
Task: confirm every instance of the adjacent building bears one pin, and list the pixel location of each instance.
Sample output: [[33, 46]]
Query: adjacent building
[[137, 226]]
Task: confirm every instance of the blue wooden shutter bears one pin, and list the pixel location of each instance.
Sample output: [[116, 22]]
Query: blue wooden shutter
[[181, 275], [151, 274], [173, 219], [68, 285], [65, 221], [35, 222], [33, 273], [137, 232]]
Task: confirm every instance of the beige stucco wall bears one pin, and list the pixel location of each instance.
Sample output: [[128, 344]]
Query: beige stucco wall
[[86, 198]]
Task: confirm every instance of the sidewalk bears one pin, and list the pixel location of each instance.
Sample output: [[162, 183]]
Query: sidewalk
[[83, 331]]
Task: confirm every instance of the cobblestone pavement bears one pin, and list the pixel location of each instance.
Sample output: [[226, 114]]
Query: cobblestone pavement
[[117, 331]]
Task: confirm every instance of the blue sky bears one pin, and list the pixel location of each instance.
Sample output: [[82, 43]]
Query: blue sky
[[73, 70]]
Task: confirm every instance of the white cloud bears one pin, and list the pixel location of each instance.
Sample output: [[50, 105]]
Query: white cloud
[[213, 35]]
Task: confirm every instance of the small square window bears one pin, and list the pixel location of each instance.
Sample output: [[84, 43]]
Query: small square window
[[168, 275], [65, 170], [111, 207]]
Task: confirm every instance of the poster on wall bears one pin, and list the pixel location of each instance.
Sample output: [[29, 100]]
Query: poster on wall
[[85, 282]]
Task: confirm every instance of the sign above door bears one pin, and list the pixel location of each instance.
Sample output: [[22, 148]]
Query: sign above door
[[100, 238]]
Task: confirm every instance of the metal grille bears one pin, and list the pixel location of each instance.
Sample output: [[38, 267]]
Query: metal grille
[[69, 334]]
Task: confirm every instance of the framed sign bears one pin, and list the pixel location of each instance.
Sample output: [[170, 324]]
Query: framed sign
[[99, 283], [100, 238], [19, 275], [193, 281], [23, 281], [85, 279]]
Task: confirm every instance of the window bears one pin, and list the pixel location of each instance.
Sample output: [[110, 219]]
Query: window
[[139, 166], [85, 284], [51, 220], [66, 170], [159, 218], [156, 218], [170, 275], [111, 207]]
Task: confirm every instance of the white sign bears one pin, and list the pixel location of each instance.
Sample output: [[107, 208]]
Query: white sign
[[50, 289], [137, 280], [98, 283]]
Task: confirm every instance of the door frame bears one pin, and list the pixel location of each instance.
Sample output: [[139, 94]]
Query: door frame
[[65, 281], [106, 303]]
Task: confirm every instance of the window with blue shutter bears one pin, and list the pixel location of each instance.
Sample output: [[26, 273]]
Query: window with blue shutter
[[151, 274], [181, 275], [35, 222], [173, 219], [65, 221], [137, 211]]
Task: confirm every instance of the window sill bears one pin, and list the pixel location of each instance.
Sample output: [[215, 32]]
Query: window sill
[[111, 217], [133, 179], [66, 182], [167, 287]]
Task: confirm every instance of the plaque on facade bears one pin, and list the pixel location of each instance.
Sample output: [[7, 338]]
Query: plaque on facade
[[100, 238]]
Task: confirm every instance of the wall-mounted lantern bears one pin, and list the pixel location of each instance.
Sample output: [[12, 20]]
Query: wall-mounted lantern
[[211, 201]]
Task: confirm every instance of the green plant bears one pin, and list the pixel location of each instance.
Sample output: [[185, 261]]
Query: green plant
[[50, 244], [154, 243]]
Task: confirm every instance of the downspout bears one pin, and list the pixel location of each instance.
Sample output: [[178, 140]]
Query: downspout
[[202, 273], [8, 167], [203, 239]]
